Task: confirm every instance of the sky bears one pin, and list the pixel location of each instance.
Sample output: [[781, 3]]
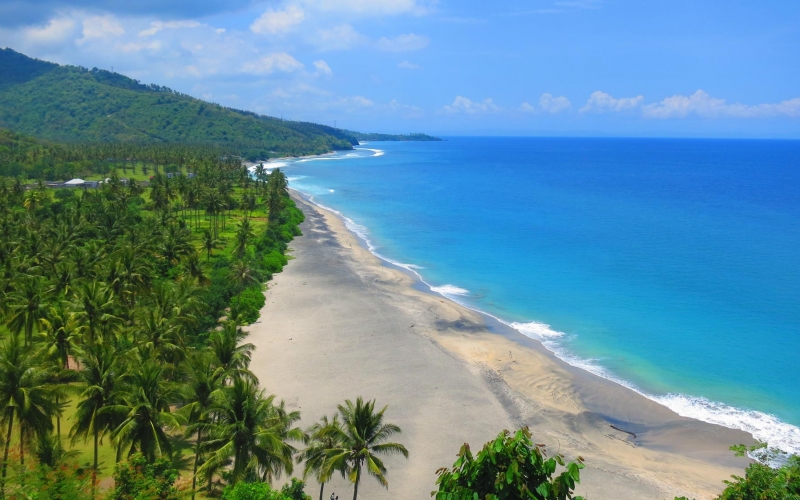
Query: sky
[[510, 67]]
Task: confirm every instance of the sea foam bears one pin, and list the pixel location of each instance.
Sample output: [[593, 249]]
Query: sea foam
[[448, 290]]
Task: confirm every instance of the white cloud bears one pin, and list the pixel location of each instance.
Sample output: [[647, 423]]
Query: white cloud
[[408, 65], [373, 7], [403, 43], [527, 107], [57, 30], [101, 27], [600, 102], [276, 22], [464, 105], [702, 104], [351, 103], [322, 68], [137, 46], [552, 104], [339, 38], [157, 26], [277, 62]]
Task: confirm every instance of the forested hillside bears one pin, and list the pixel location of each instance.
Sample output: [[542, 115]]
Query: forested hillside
[[73, 104]]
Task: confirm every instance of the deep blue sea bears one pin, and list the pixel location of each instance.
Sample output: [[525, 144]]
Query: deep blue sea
[[670, 266]]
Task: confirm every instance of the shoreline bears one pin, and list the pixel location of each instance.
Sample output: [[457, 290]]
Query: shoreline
[[569, 409]]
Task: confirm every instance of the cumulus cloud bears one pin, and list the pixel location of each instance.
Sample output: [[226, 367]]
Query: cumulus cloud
[[600, 102], [467, 106], [322, 68], [276, 22], [273, 63], [157, 26], [137, 46], [56, 31], [403, 43], [408, 65], [552, 104], [702, 104], [101, 27], [340, 37]]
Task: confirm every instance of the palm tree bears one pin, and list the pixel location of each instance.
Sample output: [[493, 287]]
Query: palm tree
[[209, 242], [231, 357], [243, 235], [60, 330], [362, 437], [26, 306], [193, 268], [24, 397], [202, 380], [145, 409], [250, 432], [101, 369], [94, 304], [322, 438]]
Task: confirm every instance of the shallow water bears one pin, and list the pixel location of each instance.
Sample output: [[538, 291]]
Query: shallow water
[[671, 266]]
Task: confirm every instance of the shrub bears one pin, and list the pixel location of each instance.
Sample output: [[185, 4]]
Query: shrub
[[137, 479]]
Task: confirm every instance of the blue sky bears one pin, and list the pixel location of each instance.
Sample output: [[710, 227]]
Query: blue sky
[[536, 67]]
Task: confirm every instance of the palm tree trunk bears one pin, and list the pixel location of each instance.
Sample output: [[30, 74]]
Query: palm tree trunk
[[21, 445], [321, 488], [5, 456], [58, 421], [196, 460], [358, 478], [94, 469]]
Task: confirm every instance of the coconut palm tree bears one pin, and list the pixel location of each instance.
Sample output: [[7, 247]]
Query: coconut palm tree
[[95, 307], [322, 438], [202, 379], [209, 242], [101, 370], [249, 432], [363, 437], [145, 412], [231, 356], [24, 396], [60, 333], [26, 305]]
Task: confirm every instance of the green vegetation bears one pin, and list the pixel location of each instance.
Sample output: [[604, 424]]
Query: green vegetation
[[391, 137], [510, 467], [121, 344], [78, 105]]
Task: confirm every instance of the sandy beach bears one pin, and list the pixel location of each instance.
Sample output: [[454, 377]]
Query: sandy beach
[[340, 323]]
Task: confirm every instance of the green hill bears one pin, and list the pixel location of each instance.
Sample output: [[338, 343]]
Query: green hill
[[74, 104]]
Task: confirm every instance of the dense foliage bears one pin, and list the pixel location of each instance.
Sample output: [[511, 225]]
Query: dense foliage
[[121, 336], [67, 103], [510, 467]]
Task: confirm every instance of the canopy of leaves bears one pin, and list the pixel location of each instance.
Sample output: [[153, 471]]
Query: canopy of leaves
[[74, 104], [510, 467], [140, 479]]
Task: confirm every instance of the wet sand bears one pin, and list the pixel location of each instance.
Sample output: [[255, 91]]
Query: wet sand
[[340, 323]]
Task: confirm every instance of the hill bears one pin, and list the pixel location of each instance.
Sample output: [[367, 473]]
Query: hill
[[75, 104]]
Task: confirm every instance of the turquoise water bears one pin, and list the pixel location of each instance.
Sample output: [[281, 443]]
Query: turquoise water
[[670, 266]]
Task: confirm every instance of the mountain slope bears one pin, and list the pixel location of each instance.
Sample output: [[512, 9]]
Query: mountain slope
[[72, 104]]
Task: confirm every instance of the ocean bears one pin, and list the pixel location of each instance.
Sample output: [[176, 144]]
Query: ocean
[[671, 266]]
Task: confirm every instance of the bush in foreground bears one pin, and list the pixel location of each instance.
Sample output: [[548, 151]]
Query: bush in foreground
[[510, 467]]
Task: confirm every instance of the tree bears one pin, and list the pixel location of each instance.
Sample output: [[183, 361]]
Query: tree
[[250, 432], [26, 306], [145, 412], [94, 304], [202, 378], [209, 242], [60, 332], [510, 467], [24, 397], [323, 437], [98, 378], [363, 437]]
